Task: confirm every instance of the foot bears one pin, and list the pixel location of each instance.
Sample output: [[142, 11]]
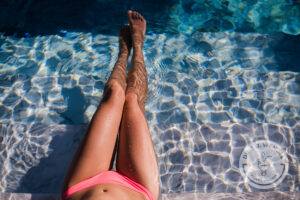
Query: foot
[[125, 42], [137, 27]]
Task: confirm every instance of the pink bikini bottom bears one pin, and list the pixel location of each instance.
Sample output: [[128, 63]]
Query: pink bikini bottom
[[108, 177]]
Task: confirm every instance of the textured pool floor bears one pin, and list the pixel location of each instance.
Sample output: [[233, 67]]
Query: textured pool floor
[[192, 158], [210, 95], [207, 77]]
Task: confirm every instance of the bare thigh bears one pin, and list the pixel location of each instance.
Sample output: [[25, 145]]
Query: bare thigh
[[136, 156], [96, 151]]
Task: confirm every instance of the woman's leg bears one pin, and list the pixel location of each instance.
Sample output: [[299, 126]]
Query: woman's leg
[[96, 150], [136, 156]]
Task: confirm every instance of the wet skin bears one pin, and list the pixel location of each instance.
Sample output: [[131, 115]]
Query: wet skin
[[121, 111]]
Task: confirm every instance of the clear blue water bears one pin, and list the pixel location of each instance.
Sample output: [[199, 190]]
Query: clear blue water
[[222, 74], [172, 16]]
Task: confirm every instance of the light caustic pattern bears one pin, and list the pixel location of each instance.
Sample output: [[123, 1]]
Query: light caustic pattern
[[237, 15], [210, 94]]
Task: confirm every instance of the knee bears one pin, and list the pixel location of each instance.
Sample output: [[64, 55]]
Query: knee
[[114, 92], [131, 97], [133, 101]]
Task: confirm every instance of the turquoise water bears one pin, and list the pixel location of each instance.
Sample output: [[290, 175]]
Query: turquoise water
[[172, 16], [222, 75], [237, 15]]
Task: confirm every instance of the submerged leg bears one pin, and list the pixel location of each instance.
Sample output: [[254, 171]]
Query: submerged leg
[[136, 156], [96, 150]]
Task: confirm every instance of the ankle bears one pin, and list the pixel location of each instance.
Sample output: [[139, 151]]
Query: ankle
[[137, 41]]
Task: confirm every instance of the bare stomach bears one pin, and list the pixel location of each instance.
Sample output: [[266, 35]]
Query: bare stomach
[[107, 192]]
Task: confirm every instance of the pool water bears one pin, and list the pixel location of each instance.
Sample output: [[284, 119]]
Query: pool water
[[222, 75]]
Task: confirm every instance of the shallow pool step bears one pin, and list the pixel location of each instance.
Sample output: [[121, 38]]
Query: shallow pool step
[[212, 77], [246, 96], [180, 196], [192, 157]]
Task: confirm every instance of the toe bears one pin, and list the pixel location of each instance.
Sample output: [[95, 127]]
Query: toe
[[130, 15], [140, 16], [135, 14]]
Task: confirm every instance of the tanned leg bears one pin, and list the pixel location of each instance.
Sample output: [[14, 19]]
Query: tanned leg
[[136, 157], [95, 153]]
